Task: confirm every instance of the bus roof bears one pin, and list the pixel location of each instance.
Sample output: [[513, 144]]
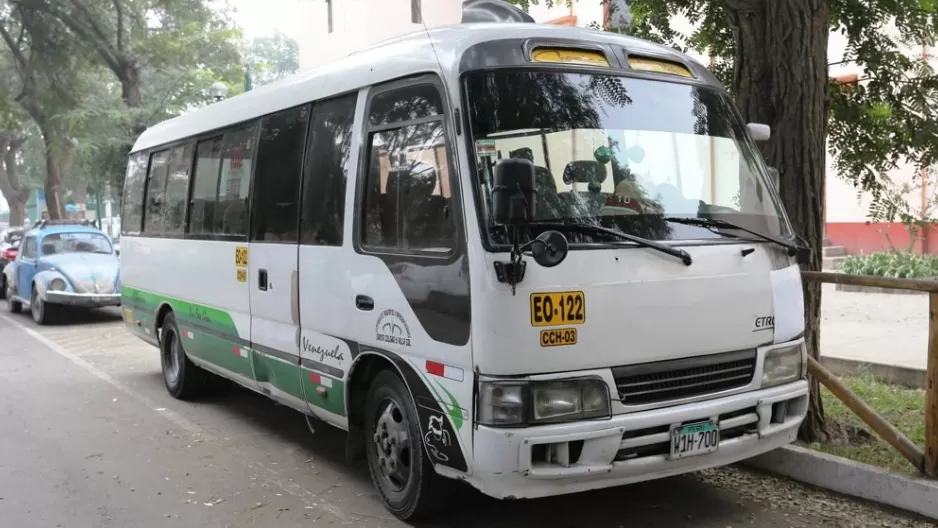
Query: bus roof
[[403, 56]]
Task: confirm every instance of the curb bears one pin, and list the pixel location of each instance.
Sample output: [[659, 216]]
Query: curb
[[851, 478], [894, 375]]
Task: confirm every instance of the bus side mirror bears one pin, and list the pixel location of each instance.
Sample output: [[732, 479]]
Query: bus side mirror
[[774, 177], [759, 131], [513, 193]]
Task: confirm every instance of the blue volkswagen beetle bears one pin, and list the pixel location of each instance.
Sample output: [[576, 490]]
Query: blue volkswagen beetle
[[62, 263]]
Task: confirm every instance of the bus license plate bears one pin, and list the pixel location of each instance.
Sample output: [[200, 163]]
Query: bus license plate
[[694, 439], [558, 308]]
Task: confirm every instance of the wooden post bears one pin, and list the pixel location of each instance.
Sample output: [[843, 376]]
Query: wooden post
[[880, 426], [931, 390]]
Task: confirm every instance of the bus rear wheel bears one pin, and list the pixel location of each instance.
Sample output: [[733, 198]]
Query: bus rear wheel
[[399, 467], [183, 379]]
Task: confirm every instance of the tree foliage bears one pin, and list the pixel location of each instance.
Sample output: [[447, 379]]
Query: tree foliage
[[272, 58], [102, 71]]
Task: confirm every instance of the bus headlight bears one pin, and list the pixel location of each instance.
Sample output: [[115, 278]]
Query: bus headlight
[[517, 403], [784, 365]]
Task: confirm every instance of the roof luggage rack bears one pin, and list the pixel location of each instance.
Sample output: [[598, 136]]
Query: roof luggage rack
[[44, 222]]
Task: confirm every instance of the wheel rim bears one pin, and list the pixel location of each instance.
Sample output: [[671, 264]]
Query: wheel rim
[[171, 356], [35, 306], [392, 445]]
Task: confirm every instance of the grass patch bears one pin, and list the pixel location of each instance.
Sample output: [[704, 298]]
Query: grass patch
[[851, 438]]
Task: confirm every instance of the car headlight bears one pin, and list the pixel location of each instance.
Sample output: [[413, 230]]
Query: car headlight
[[57, 284], [518, 403], [784, 365]]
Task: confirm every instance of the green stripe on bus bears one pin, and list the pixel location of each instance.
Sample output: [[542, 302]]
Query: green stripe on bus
[[186, 312], [282, 375], [334, 397]]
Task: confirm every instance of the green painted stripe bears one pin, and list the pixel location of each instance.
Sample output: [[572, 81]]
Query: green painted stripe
[[282, 375], [216, 350], [452, 406], [334, 401], [202, 315]]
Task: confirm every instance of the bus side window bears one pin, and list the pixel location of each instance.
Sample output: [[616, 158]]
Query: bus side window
[[408, 195], [326, 174], [234, 181], [134, 185], [156, 193], [177, 189], [205, 187], [276, 191]]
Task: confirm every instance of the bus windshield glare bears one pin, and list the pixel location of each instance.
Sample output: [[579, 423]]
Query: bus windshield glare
[[622, 153]]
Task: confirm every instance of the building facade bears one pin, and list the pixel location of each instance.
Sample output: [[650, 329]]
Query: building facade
[[339, 27]]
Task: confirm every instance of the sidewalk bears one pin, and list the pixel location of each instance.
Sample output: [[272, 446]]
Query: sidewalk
[[875, 328]]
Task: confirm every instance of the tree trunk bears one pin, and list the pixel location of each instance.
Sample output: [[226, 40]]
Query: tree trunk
[[57, 150], [130, 83], [781, 79], [15, 194]]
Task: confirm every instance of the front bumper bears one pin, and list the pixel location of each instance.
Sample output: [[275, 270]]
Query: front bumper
[[632, 447], [90, 300]]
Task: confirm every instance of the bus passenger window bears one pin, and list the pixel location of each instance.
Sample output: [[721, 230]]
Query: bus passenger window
[[234, 182], [205, 187], [134, 183], [330, 144], [177, 188], [156, 193], [279, 166]]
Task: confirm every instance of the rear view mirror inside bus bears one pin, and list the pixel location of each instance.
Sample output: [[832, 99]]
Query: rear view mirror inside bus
[[513, 198], [584, 171]]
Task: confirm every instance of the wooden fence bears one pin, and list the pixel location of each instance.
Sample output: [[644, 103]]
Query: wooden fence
[[926, 460]]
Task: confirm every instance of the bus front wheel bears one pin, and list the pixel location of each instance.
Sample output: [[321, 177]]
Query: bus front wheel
[[399, 467]]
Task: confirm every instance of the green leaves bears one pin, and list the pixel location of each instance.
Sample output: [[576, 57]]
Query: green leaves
[[894, 264]]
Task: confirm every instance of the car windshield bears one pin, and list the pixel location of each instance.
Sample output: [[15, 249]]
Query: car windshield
[[59, 243], [622, 153]]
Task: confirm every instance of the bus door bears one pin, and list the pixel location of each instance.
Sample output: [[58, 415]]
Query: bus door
[[273, 264], [327, 302]]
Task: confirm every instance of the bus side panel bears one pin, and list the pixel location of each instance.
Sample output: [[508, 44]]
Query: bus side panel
[[199, 280]]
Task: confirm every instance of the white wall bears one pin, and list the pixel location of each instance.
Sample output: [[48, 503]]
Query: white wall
[[358, 24]]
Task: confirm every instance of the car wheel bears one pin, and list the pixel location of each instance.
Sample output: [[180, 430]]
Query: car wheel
[[43, 312], [3, 286], [183, 379], [399, 467], [14, 306]]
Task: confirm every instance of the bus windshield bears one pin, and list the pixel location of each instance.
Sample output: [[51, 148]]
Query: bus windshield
[[622, 153]]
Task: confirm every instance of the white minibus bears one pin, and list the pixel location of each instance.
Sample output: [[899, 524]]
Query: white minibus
[[536, 259]]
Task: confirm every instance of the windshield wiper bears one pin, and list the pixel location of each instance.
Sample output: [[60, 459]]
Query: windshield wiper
[[714, 222], [592, 230]]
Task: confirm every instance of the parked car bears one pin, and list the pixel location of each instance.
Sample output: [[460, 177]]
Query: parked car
[[62, 263], [9, 245]]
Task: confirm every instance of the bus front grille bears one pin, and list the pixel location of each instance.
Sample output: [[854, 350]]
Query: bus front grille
[[684, 378]]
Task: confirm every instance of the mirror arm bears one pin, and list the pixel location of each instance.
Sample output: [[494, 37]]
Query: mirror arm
[[512, 272]]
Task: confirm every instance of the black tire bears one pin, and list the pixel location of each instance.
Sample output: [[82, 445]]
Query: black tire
[[184, 379], [43, 313], [14, 306], [421, 494], [3, 284]]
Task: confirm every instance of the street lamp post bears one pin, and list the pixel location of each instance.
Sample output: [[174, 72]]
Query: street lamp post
[[218, 91]]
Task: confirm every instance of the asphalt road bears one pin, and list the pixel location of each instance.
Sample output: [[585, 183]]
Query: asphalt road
[[90, 438]]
